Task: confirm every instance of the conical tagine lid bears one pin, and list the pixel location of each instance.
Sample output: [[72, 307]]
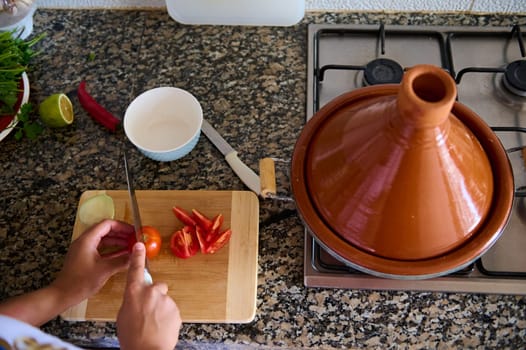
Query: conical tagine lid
[[393, 172]]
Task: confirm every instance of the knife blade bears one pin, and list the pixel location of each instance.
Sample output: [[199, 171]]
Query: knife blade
[[137, 223], [247, 175]]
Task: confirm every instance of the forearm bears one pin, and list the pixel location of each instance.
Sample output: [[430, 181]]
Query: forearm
[[38, 307]]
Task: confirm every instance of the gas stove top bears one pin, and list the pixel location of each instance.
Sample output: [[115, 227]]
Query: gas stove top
[[489, 66]]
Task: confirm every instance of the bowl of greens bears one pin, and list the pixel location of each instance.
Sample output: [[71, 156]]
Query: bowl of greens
[[9, 120], [15, 54]]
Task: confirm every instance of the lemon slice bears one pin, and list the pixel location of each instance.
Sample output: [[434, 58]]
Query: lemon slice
[[96, 209], [56, 111]]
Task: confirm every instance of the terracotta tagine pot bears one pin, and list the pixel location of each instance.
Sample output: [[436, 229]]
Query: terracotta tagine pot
[[400, 180]]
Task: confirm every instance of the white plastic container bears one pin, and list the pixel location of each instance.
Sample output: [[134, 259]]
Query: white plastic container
[[237, 12]]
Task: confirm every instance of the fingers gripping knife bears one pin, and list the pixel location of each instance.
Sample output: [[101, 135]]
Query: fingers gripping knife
[[137, 224]]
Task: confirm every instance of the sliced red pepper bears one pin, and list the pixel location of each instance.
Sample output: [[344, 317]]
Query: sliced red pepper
[[219, 242], [95, 110], [183, 216], [202, 220], [184, 243]]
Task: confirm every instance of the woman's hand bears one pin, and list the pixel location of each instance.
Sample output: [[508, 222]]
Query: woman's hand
[[84, 273], [148, 318], [86, 267]]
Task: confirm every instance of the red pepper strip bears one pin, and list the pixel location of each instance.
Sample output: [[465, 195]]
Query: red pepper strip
[[95, 110]]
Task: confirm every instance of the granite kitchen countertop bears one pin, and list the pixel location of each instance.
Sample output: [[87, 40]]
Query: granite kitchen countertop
[[251, 82]]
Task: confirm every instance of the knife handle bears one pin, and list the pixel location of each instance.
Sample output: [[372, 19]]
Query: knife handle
[[147, 277], [247, 175], [267, 174]]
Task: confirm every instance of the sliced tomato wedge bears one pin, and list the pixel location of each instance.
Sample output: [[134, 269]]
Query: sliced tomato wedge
[[202, 220], [199, 233], [217, 222], [183, 216], [201, 238], [184, 243], [219, 242]]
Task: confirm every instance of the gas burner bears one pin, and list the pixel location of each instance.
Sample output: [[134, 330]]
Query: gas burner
[[506, 96], [383, 71], [515, 77]]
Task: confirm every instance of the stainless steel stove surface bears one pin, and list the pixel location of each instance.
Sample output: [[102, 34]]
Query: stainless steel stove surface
[[489, 66]]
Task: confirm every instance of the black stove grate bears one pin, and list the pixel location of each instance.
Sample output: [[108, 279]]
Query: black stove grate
[[380, 70]]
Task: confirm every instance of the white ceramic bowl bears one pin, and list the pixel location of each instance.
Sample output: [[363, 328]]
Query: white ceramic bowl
[[164, 123]]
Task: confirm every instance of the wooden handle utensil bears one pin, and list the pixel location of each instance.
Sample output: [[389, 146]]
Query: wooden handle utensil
[[267, 175]]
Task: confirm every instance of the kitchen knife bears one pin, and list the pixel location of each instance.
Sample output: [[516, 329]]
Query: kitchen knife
[[137, 224], [247, 175]]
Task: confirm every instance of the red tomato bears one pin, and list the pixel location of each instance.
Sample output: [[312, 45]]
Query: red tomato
[[219, 242], [183, 216], [184, 243], [152, 241]]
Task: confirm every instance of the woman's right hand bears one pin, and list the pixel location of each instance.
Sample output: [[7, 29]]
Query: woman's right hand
[[148, 317]]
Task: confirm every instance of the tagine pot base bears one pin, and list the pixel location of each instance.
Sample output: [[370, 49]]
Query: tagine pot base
[[402, 181]]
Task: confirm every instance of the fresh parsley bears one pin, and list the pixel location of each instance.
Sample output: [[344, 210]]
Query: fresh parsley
[[15, 55], [27, 125]]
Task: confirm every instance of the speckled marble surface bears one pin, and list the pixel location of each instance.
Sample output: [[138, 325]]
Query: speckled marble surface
[[251, 83]]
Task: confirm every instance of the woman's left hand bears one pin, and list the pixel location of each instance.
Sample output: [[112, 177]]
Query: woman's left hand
[[86, 267]]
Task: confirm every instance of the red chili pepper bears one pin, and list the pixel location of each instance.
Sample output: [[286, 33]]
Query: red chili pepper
[[95, 110]]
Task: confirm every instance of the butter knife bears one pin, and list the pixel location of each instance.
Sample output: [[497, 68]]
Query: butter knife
[[137, 223], [247, 175]]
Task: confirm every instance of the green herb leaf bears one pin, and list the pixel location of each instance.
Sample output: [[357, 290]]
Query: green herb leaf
[[15, 55], [19, 134], [26, 125], [32, 130]]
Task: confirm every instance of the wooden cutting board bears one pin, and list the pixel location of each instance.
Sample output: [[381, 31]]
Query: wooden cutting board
[[219, 288]]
